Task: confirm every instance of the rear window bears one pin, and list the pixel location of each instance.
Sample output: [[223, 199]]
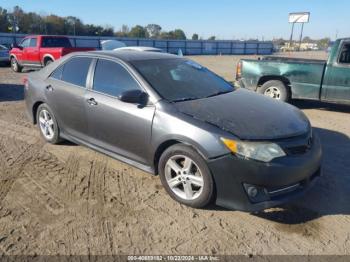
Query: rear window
[[345, 54], [55, 42], [57, 74], [74, 71]]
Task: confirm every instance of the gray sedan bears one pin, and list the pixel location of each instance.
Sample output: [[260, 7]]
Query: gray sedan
[[169, 116]]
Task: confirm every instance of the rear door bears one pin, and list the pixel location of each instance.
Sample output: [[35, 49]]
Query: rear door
[[116, 126], [336, 84], [65, 91]]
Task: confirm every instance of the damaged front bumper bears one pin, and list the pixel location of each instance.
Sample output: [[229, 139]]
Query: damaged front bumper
[[249, 185]]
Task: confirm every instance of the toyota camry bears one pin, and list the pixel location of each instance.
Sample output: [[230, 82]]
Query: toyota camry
[[207, 140]]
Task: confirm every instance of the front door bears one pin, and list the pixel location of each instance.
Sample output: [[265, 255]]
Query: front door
[[336, 84], [31, 53], [21, 56], [116, 126]]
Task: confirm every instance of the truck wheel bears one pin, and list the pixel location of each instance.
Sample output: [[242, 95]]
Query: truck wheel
[[275, 89], [186, 176], [47, 62], [15, 66]]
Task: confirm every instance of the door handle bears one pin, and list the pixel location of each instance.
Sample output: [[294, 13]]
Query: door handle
[[49, 88], [91, 101]]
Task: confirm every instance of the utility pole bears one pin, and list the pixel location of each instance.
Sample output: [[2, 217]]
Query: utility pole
[[301, 35], [291, 35]]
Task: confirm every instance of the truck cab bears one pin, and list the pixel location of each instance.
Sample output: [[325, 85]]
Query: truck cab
[[336, 81]]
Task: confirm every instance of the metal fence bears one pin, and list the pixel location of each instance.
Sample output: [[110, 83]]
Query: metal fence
[[188, 47]]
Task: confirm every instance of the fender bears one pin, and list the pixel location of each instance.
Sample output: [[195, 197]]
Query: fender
[[14, 56], [47, 56]]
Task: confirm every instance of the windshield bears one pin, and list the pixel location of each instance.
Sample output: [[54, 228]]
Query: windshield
[[181, 79], [56, 42], [111, 44]]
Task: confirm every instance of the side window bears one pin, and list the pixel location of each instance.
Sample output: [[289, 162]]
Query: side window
[[57, 74], [344, 57], [75, 71], [32, 42], [25, 42], [112, 79]]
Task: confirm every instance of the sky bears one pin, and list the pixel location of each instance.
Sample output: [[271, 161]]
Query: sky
[[226, 19]]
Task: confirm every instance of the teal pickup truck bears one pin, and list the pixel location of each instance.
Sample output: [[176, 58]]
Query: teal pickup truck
[[292, 78]]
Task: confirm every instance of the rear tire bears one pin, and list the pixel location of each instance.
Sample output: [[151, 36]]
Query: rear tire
[[48, 125], [192, 183], [275, 89], [47, 62], [15, 66]]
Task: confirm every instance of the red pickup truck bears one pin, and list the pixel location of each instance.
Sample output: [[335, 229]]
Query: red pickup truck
[[40, 50]]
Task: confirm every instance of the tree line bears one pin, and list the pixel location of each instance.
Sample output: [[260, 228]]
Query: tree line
[[19, 21]]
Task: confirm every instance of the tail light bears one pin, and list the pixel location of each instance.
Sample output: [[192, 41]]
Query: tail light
[[239, 70]]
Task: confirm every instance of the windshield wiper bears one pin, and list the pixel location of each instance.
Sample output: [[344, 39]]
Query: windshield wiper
[[220, 93], [185, 99]]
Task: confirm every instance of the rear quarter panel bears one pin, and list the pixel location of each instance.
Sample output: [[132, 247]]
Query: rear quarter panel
[[34, 93], [305, 77]]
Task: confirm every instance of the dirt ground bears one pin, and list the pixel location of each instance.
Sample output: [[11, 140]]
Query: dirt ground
[[69, 199]]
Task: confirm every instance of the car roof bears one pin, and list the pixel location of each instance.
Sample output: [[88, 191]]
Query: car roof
[[56, 36], [127, 55], [344, 39], [139, 48]]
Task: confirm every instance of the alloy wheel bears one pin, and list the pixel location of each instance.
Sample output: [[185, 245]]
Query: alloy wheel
[[184, 177], [47, 125]]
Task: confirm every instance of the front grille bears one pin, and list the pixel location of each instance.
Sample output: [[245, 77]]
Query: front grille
[[297, 150], [300, 148]]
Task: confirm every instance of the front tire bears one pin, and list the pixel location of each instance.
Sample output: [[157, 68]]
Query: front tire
[[48, 125], [186, 176], [15, 66], [275, 89]]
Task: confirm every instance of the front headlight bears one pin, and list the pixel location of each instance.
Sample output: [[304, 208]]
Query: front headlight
[[262, 151]]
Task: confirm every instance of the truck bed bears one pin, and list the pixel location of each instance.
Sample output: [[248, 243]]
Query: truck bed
[[293, 59], [304, 76]]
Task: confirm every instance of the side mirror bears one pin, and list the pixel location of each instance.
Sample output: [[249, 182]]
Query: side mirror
[[134, 96], [15, 45]]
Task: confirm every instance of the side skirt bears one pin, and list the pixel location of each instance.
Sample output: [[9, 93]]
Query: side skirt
[[128, 161]]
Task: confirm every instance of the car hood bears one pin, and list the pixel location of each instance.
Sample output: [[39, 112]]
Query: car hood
[[248, 115]]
